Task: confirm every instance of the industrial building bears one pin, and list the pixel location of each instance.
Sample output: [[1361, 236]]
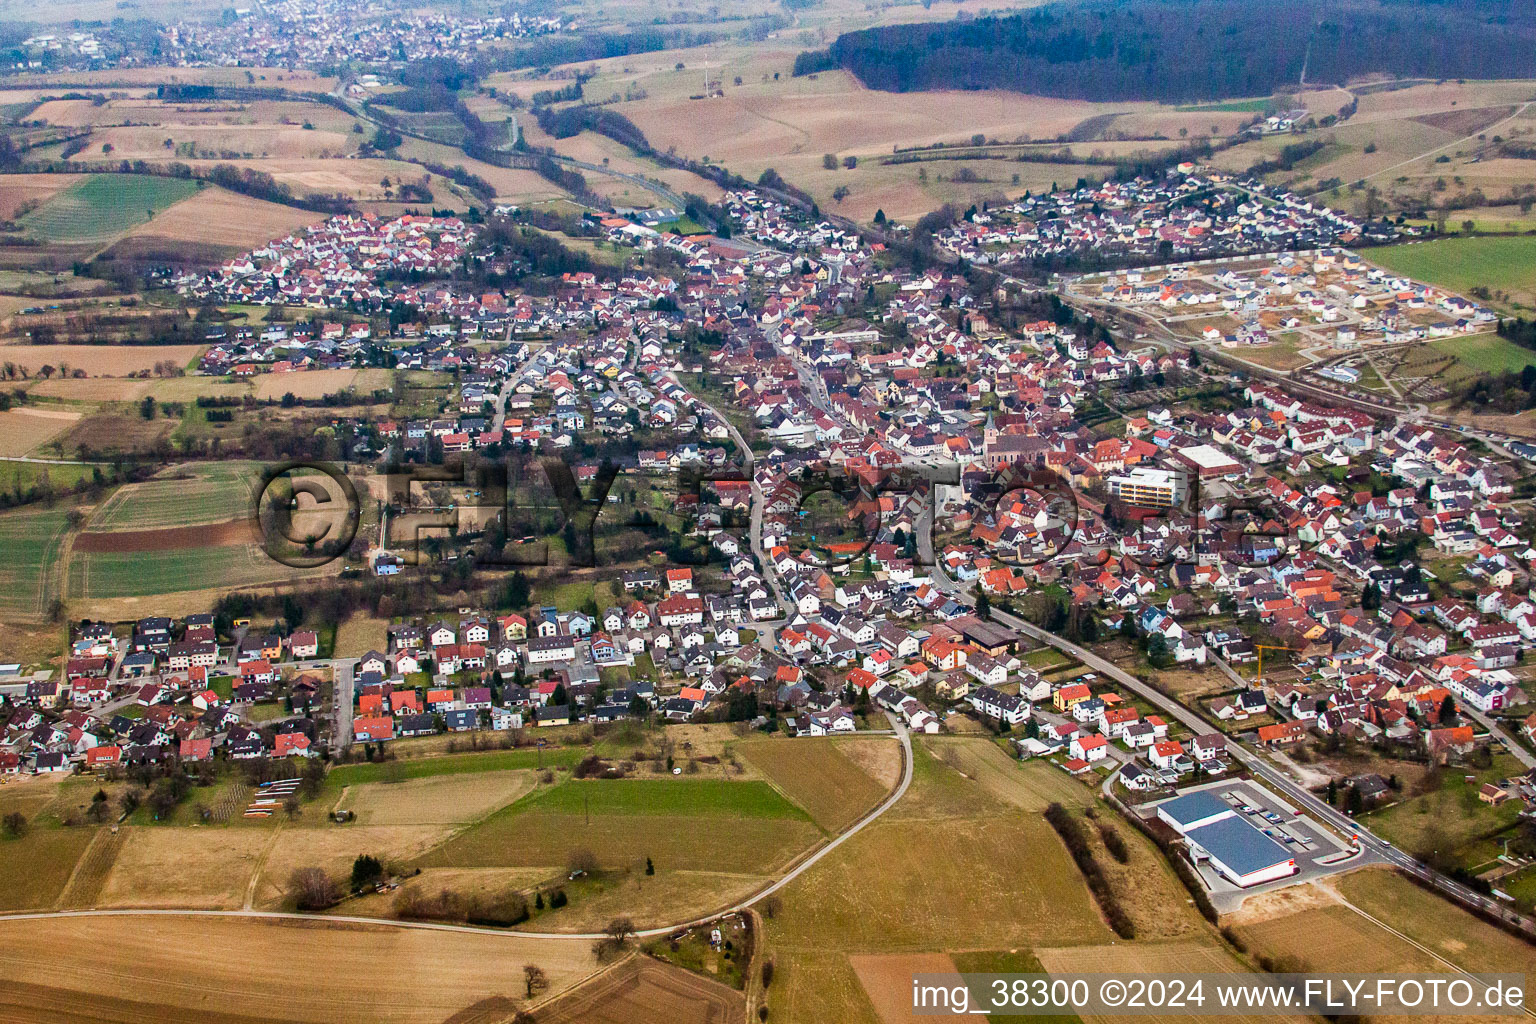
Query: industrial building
[[1208, 461], [1216, 833]]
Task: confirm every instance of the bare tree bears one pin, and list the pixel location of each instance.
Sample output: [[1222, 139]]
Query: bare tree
[[534, 979], [772, 905], [615, 937], [581, 859], [312, 889]]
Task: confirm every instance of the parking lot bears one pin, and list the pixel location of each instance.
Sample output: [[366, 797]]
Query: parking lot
[[1318, 851]]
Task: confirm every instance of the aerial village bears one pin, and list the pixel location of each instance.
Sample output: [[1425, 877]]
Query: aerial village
[[1299, 575]]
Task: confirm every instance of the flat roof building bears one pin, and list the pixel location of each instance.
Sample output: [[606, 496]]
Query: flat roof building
[[1193, 810], [1149, 488], [1208, 460], [1216, 833]]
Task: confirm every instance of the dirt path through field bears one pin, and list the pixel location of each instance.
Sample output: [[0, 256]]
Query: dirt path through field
[[260, 868]]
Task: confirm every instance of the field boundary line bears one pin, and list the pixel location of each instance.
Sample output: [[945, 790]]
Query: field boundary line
[[85, 855], [1415, 943]]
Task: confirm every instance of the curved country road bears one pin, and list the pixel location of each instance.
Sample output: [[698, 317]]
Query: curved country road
[[794, 873]]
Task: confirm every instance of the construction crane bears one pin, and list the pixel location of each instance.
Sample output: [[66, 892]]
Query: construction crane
[[1261, 648]]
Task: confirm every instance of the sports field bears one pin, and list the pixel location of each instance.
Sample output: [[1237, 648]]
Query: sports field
[[1460, 264], [104, 206], [33, 540]]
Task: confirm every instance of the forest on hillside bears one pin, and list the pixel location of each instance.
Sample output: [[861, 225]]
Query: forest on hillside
[[1189, 51]]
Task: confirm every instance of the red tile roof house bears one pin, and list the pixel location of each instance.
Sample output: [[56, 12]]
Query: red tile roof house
[[291, 744], [1089, 748], [373, 729]]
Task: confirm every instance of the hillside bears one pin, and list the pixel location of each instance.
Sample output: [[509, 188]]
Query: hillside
[[1180, 51]]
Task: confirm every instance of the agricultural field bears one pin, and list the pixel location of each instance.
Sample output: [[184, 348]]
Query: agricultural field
[[97, 360], [1486, 354], [33, 541], [887, 980], [770, 118], [215, 223], [441, 799], [102, 207], [207, 492], [832, 788], [641, 989], [38, 865], [17, 190], [966, 862], [1137, 958], [319, 383], [24, 429], [1375, 921], [138, 969], [358, 179], [644, 797], [1500, 264], [1442, 811], [101, 574], [1442, 926], [404, 766], [951, 866], [1423, 142], [680, 823], [109, 432], [170, 866], [332, 849]]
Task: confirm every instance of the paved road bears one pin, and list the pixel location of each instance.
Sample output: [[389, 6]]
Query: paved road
[[755, 530], [344, 673], [794, 873], [509, 385], [50, 462], [1519, 753], [654, 187]]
